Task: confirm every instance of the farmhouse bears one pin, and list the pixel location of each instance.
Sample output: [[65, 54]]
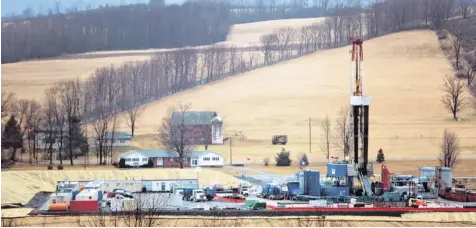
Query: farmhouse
[[164, 158], [120, 139], [203, 128]]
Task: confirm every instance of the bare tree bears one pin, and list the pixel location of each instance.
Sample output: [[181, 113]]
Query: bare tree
[[131, 116], [147, 210], [8, 100], [285, 37], [465, 6], [449, 150], [268, 43], [470, 67], [326, 128], [172, 133], [50, 121], [32, 119], [457, 41], [69, 93], [453, 95], [343, 138]]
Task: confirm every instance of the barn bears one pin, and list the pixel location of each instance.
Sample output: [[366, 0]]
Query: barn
[[203, 128]]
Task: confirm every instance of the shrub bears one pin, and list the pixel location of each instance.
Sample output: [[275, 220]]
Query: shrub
[[303, 161], [50, 167], [266, 161], [282, 158], [380, 156], [122, 163], [60, 167], [442, 35]]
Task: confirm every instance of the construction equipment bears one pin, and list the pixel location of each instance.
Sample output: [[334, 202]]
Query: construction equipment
[[279, 139], [416, 202]]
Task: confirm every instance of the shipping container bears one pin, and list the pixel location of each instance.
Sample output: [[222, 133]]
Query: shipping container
[[84, 206], [336, 170]]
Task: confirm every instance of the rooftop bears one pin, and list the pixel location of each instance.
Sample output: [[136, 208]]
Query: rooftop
[[195, 118], [163, 153]]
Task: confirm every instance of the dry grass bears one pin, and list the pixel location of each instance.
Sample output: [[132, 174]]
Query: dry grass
[[29, 79], [403, 78], [430, 220], [21, 186]]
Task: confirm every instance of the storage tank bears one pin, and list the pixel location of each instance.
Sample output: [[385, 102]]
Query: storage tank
[[446, 175], [385, 178], [428, 172], [58, 207]]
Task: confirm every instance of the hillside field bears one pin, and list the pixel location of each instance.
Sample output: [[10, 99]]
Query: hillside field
[[29, 79], [403, 78]]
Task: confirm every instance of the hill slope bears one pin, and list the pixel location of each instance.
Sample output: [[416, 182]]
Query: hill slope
[[403, 74], [29, 79]]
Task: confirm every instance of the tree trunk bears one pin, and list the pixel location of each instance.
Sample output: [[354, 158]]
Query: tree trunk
[[70, 137]]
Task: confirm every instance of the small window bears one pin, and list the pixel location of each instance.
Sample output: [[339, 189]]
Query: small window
[[144, 159], [206, 159], [123, 141], [171, 159]]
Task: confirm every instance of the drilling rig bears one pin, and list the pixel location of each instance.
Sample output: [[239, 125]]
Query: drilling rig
[[359, 118]]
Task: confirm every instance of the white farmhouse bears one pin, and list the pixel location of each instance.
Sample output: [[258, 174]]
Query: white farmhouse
[[121, 139], [207, 159]]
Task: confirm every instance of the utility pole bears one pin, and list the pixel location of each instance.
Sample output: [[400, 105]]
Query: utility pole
[[231, 154], [309, 134]]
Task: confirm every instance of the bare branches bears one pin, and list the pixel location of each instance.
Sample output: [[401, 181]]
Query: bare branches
[[326, 128], [470, 67], [343, 140], [131, 116], [449, 150], [268, 42], [457, 41], [172, 133], [285, 37], [8, 100], [453, 97]]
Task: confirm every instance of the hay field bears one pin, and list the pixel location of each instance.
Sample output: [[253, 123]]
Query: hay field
[[403, 78], [21, 186], [29, 79], [429, 220]]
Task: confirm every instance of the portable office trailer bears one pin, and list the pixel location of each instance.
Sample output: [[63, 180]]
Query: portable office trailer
[[98, 185], [110, 185], [133, 185], [146, 186], [162, 186]]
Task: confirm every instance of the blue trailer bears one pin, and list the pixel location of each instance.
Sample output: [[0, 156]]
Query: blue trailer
[[292, 189], [210, 193]]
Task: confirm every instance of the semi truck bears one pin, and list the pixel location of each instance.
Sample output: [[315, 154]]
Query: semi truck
[[194, 195]]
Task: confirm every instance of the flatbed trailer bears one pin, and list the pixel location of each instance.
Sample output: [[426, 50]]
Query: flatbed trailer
[[335, 199]]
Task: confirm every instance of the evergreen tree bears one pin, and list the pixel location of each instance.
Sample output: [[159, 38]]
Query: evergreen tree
[[303, 160], [283, 158], [77, 139], [380, 156], [11, 137]]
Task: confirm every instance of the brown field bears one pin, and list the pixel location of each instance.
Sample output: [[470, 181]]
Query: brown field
[[29, 79], [427, 220], [407, 117], [21, 186]]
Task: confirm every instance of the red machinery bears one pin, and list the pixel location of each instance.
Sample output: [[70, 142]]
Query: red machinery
[[385, 178]]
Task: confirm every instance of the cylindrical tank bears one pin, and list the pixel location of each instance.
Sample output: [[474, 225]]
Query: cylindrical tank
[[446, 175], [385, 178], [58, 207], [427, 172]]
